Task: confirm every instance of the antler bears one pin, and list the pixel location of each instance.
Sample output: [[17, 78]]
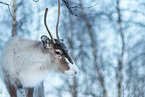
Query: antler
[[46, 10], [58, 19]]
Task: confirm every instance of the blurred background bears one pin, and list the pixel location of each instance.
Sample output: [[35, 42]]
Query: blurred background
[[106, 38]]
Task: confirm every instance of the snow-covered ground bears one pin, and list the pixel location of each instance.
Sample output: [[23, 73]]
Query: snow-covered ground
[[3, 91]]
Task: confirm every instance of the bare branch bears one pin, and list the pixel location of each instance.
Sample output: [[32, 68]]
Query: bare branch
[[36, 1], [8, 5], [134, 11], [136, 57], [85, 7], [94, 50], [68, 7], [120, 63]]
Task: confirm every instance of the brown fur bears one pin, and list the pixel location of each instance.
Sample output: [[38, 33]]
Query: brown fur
[[29, 92], [64, 66], [11, 89]]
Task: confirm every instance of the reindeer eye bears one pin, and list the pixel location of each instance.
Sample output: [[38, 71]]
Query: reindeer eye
[[57, 52]]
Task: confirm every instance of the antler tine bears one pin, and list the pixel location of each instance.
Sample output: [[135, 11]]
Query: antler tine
[[58, 19], [46, 10]]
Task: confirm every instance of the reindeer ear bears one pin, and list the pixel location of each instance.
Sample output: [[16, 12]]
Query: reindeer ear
[[46, 42]]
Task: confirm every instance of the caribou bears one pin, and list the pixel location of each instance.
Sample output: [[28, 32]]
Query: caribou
[[25, 63]]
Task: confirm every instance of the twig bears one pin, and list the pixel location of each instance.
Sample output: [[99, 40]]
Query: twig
[[36, 1], [85, 7], [5, 3]]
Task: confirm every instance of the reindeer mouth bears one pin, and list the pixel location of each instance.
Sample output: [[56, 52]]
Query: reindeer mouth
[[73, 69], [70, 76], [71, 73]]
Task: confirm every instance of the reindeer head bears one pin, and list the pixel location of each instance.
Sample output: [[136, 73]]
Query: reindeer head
[[59, 54], [60, 59]]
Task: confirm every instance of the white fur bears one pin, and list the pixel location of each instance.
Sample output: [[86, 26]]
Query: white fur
[[73, 69], [25, 63]]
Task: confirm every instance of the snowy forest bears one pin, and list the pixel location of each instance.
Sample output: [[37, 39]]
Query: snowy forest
[[106, 38]]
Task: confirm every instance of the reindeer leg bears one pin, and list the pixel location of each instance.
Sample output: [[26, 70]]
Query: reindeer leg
[[11, 89], [29, 92], [39, 91]]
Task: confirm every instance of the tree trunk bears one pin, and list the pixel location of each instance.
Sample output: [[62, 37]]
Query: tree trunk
[[94, 49], [73, 89], [14, 25], [74, 85], [120, 63]]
